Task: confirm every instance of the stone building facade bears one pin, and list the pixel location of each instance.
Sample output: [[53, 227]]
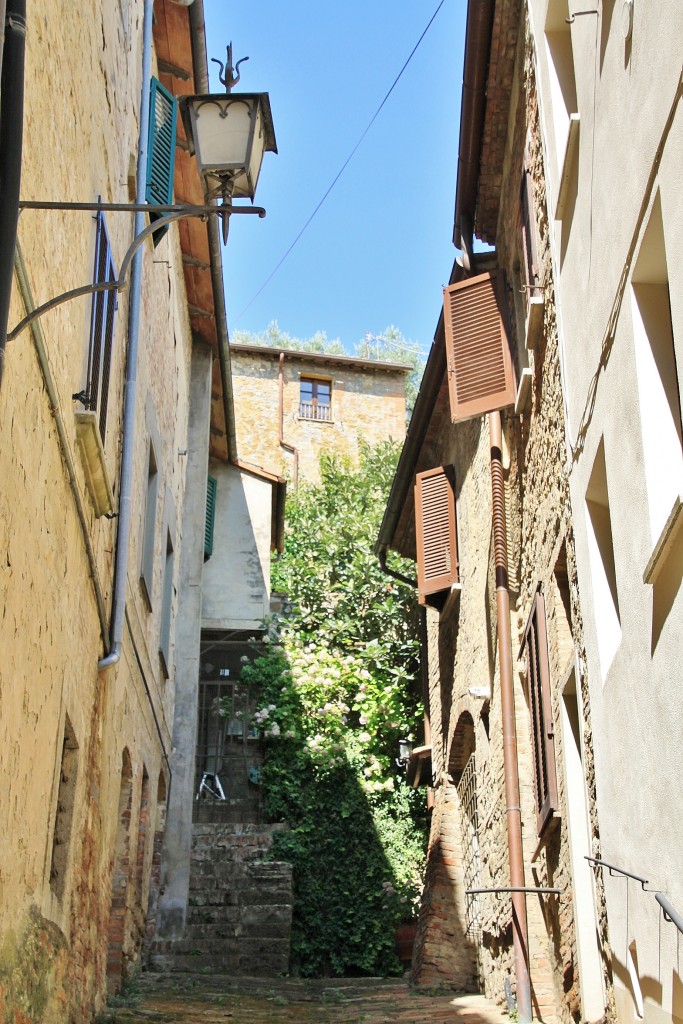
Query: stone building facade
[[611, 124], [293, 406], [102, 521], [512, 547]]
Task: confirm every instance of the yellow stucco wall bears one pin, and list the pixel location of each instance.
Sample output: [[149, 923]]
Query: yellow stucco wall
[[83, 84]]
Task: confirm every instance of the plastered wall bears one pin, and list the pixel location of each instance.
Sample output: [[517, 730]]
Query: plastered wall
[[59, 945]]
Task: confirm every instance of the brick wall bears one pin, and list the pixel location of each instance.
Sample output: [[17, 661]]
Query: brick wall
[[462, 640]]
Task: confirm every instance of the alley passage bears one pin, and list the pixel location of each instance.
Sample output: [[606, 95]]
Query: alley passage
[[198, 999]]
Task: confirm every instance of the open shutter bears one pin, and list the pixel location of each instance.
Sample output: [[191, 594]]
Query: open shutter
[[481, 376], [101, 327], [163, 114], [437, 555], [542, 728], [210, 516]]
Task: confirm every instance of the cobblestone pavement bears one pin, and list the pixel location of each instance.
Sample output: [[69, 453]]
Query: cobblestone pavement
[[197, 999]]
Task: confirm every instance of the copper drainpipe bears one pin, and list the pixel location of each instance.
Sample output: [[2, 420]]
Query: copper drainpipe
[[507, 699], [281, 420]]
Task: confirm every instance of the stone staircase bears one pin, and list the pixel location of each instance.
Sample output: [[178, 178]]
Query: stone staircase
[[240, 907]]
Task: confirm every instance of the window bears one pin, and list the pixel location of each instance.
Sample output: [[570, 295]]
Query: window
[[437, 553], [65, 810], [315, 399], [166, 607], [161, 143], [558, 35], [657, 375], [603, 567], [211, 487], [147, 564], [528, 230], [481, 376], [535, 649], [96, 393]]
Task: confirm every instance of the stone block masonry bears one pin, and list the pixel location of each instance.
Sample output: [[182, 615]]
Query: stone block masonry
[[240, 906]]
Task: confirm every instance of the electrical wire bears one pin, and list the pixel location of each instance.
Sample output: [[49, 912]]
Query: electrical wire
[[343, 166]]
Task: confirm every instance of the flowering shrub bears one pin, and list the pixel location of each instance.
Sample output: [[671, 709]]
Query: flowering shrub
[[336, 690]]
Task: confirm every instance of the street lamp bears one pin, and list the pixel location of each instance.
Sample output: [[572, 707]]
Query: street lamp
[[228, 133], [405, 749]]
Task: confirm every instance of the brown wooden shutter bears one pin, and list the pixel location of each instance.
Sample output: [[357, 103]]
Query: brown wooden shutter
[[437, 555], [542, 728], [481, 376]]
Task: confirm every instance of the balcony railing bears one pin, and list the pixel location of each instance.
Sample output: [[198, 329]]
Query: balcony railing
[[315, 411]]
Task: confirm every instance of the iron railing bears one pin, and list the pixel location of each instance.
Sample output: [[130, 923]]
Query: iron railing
[[315, 411], [669, 911]]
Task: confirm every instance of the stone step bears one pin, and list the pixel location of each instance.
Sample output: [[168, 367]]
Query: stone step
[[250, 958]]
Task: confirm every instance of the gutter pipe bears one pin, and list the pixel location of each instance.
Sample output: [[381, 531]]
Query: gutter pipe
[[11, 139], [281, 419], [128, 426], [473, 103], [201, 84], [507, 699]]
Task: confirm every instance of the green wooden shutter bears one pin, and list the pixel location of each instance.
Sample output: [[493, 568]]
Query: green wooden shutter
[[210, 516], [163, 114]]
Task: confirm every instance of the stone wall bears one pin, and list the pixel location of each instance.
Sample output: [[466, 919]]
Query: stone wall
[[55, 897], [463, 650], [368, 404]]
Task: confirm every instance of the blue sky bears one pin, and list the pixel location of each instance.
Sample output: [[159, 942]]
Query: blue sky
[[380, 249]]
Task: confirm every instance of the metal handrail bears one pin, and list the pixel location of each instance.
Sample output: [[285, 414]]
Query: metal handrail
[[620, 871], [543, 890], [669, 911]]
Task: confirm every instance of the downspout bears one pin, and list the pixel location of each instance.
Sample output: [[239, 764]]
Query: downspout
[[130, 396], [513, 810], [281, 419], [382, 558], [11, 138]]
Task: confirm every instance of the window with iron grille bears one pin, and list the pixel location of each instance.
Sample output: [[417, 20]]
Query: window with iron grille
[[437, 551], [535, 649], [161, 143], [315, 399], [104, 306], [528, 230]]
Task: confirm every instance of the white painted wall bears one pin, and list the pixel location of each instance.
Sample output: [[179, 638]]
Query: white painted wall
[[629, 160], [236, 579]]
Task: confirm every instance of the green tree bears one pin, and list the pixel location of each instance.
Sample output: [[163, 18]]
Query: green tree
[[392, 347], [337, 689]]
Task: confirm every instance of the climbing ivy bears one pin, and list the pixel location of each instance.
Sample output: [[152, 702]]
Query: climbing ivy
[[337, 688]]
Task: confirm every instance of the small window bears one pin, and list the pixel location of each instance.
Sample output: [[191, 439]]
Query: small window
[[542, 729], [161, 143], [166, 608], [96, 394], [66, 793], [147, 563], [437, 553], [528, 231], [315, 399]]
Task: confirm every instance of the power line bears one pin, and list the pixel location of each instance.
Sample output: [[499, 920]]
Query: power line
[[343, 166]]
